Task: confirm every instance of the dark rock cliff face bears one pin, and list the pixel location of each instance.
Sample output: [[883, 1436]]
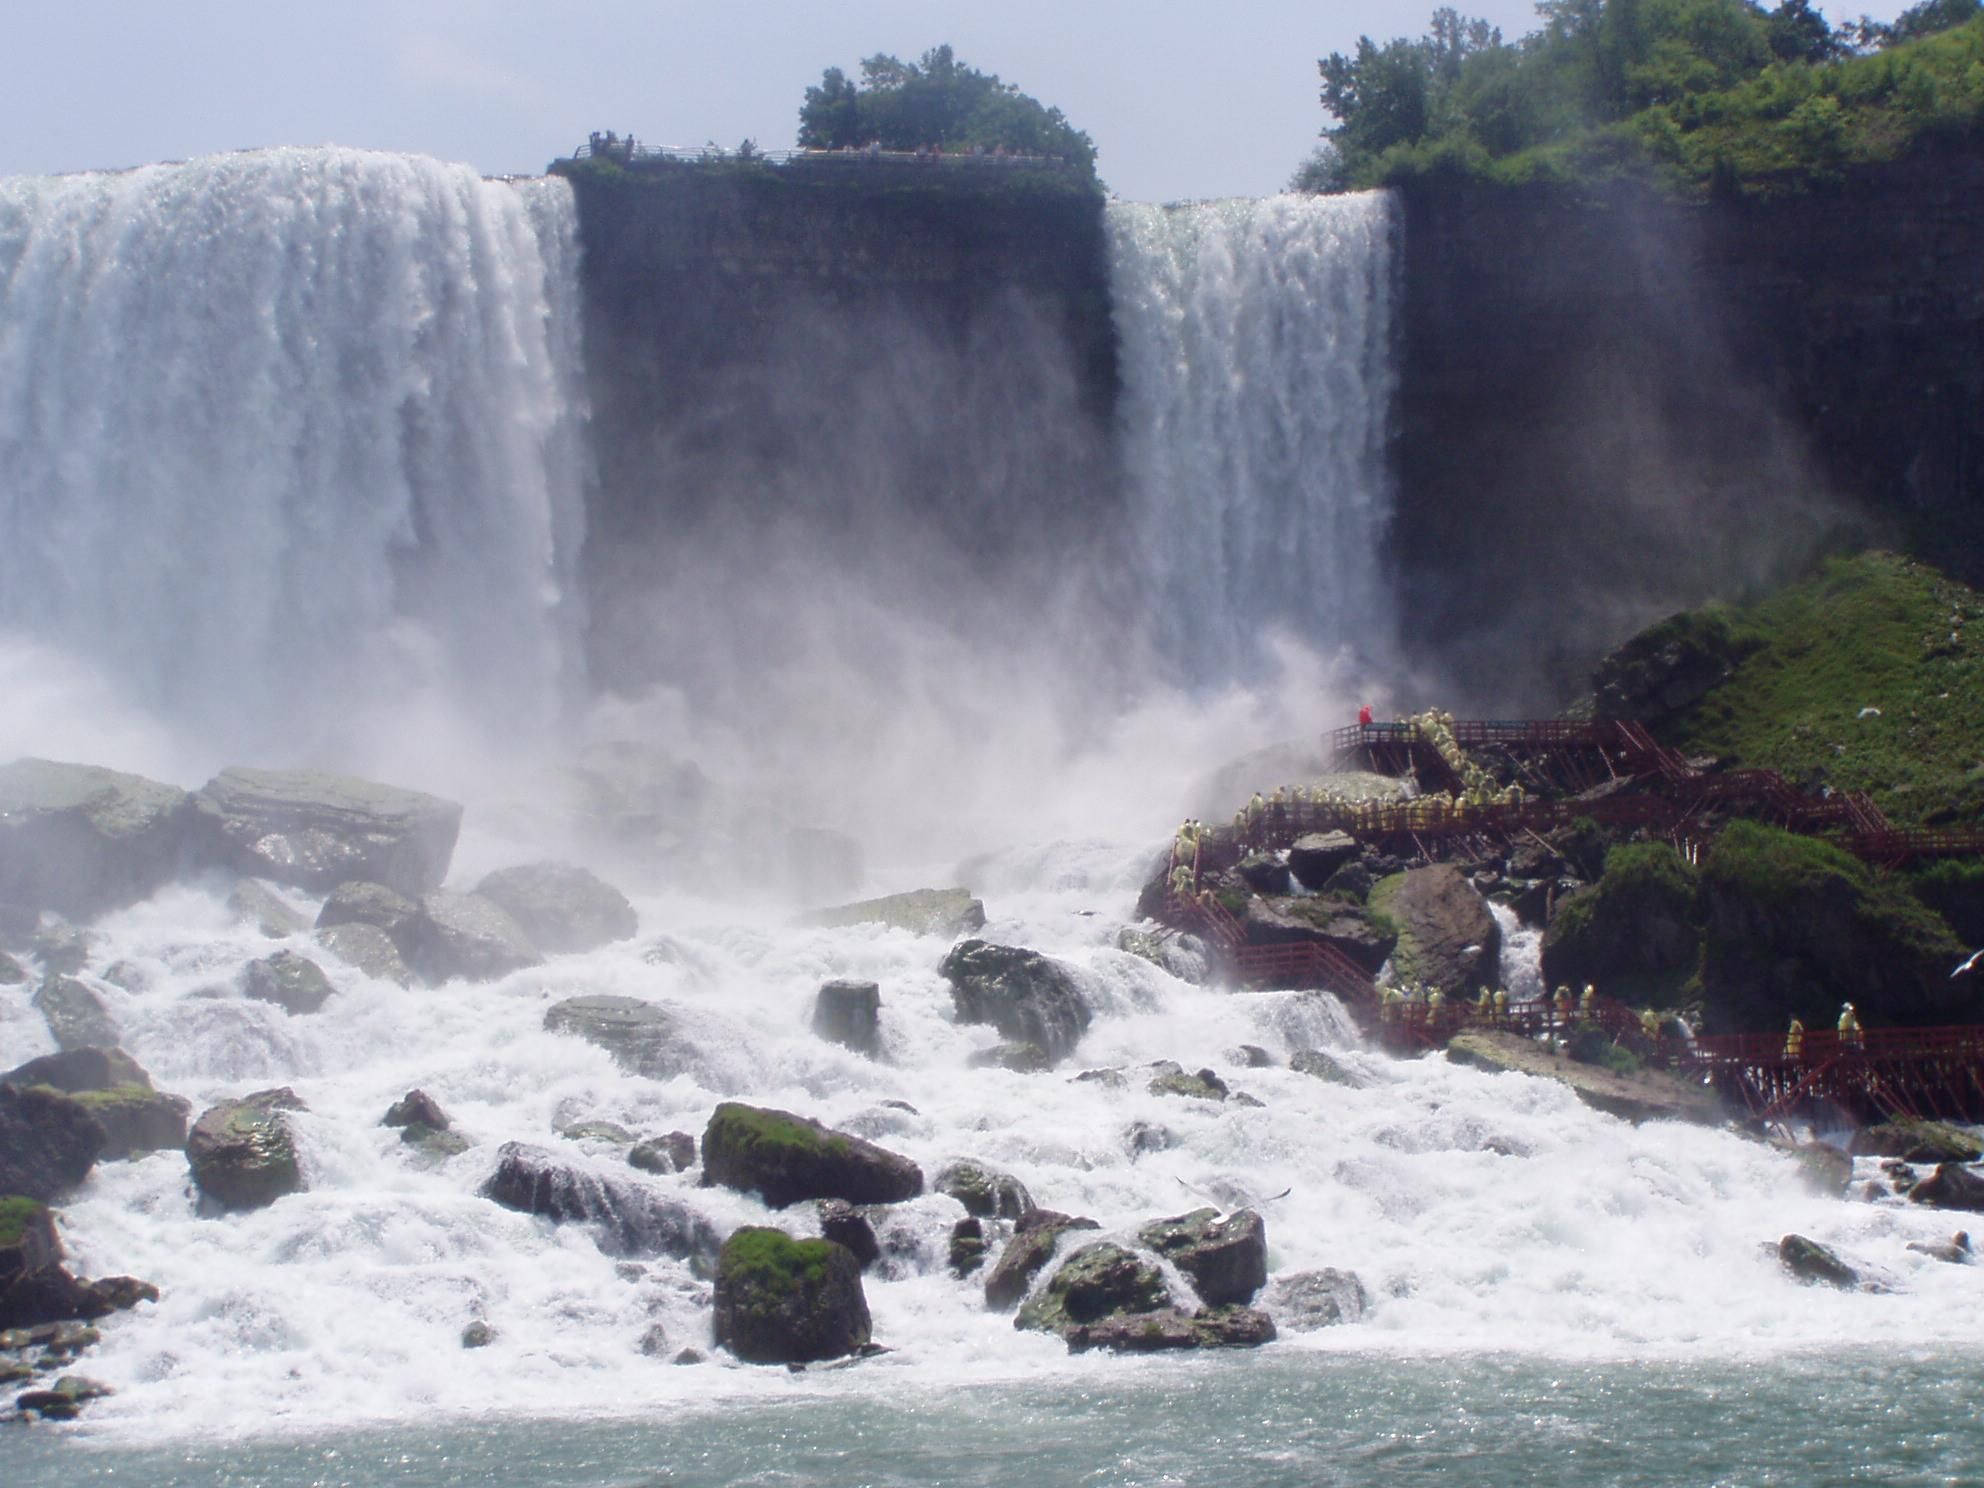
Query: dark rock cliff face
[[833, 370], [1613, 406]]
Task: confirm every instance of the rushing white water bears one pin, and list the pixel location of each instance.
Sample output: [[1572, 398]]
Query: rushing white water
[[1255, 344], [290, 437]]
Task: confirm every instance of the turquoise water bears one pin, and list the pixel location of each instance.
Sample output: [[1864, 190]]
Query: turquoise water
[[1859, 1417]]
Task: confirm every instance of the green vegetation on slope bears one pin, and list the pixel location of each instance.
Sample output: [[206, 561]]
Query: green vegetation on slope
[[1865, 677], [1714, 96]]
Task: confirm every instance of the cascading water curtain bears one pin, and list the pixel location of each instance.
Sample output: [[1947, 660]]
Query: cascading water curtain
[[290, 433], [1256, 350]]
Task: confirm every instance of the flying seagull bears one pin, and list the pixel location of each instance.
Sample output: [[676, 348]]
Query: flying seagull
[[1970, 965]]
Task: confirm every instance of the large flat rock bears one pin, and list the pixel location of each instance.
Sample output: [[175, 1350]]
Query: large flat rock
[[1649, 1095], [82, 840], [316, 831]]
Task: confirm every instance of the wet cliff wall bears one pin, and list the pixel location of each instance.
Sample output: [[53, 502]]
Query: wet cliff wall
[[901, 375], [1612, 406]]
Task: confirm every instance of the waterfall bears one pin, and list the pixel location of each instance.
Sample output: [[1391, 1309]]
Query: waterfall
[[292, 435], [1255, 344]]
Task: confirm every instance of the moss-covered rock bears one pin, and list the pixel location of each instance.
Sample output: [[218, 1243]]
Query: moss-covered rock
[[1915, 1141], [1669, 666], [242, 1153], [1030, 1249], [1094, 1282], [1350, 928], [294, 983], [787, 1158], [48, 1142], [985, 1191], [1446, 936], [1635, 933], [1227, 1258], [785, 1301], [1028, 997], [137, 1119]]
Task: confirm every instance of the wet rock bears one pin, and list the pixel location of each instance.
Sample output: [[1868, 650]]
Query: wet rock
[[416, 1108], [294, 983], [940, 912], [75, 1015], [258, 904], [849, 1013], [1951, 1186], [1167, 1328], [80, 1069], [1025, 995], [967, 1249], [48, 1142], [1917, 1142], [1823, 1168], [63, 1402], [985, 1191], [607, 1133], [1349, 928], [560, 907], [1956, 1250], [1352, 881], [1096, 1281], [430, 1143], [674, 1152], [478, 1334], [316, 831], [1019, 1057], [1303, 1301], [1446, 936], [1324, 1066], [1647, 1095], [845, 1225], [33, 1286], [1140, 1138], [1227, 1259], [1171, 1079], [358, 902], [628, 1218], [82, 841], [369, 949], [787, 1158], [137, 1119], [1317, 855], [642, 1037], [1264, 873], [654, 1341], [63, 950], [1185, 956], [1810, 1261], [1253, 1056], [468, 937], [1030, 1248], [688, 1356], [786, 1301], [242, 1152]]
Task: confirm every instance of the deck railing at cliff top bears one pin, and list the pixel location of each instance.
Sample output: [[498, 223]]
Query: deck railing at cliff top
[[626, 152]]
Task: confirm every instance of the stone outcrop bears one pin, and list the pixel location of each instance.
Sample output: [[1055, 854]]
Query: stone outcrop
[[1648, 1095], [560, 907], [785, 1301], [849, 1013], [627, 1217], [48, 1142], [643, 1037], [35, 1288], [939, 912], [81, 840], [1227, 1259], [293, 982], [1446, 936], [316, 831], [788, 1158], [1025, 995], [242, 1152]]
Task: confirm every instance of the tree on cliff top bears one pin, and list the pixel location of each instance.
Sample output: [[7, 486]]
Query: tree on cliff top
[[935, 100]]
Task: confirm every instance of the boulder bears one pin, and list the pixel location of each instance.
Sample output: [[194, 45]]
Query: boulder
[[985, 1191], [627, 1218], [1646, 1095], [1951, 1186], [1029, 1249], [850, 1014], [785, 1301], [1264, 873], [967, 1248], [1303, 1301], [468, 937], [416, 1108], [316, 831], [1168, 1328], [843, 1224], [1348, 927], [1099, 1279], [136, 1119], [605, 1133], [1823, 1168], [357, 902], [294, 983], [82, 841], [75, 1015], [1315, 856], [641, 1036], [942, 912], [1955, 1251], [1810, 1261], [242, 1152], [1023, 994], [48, 1142], [674, 1152], [787, 1158], [258, 904], [1323, 1065], [1170, 1078], [478, 1334], [1227, 1259], [34, 1288], [80, 1069], [1667, 666], [1446, 936], [1016, 1055], [1184, 955], [560, 907], [369, 949], [1917, 1142]]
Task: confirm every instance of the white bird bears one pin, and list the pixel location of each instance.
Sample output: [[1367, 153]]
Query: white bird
[[1970, 965], [1870, 712]]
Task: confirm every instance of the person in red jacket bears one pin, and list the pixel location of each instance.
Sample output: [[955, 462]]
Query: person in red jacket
[[1364, 715]]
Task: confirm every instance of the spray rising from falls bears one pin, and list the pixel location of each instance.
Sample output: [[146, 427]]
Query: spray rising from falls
[[1255, 340], [291, 433]]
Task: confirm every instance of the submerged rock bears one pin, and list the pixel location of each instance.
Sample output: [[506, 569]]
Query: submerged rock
[[1170, 1078], [1168, 1328], [1015, 1055], [786, 1301], [1823, 1168], [1810, 1261], [787, 1158], [642, 1037], [48, 1142], [242, 1152], [1324, 1065], [1183, 955], [1023, 994], [628, 1218], [561, 907], [942, 912], [82, 841], [849, 1013], [294, 983], [315, 831], [416, 1108]]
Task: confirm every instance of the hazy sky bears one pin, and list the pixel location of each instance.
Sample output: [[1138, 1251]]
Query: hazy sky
[[1183, 99]]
